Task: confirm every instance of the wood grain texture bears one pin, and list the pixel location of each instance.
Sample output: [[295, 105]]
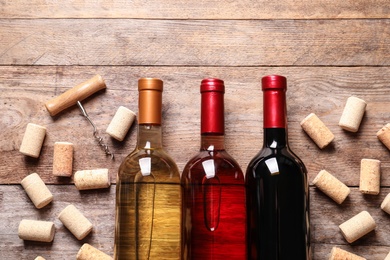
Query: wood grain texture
[[25, 90], [195, 42], [99, 208], [328, 49], [203, 9]]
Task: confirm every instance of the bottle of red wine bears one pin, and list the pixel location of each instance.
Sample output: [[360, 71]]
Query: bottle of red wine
[[277, 187], [214, 214]]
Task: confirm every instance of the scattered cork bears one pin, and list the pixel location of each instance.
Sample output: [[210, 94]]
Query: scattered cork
[[33, 140], [384, 135], [331, 186], [35, 230], [77, 93], [370, 176], [317, 130], [75, 221], [358, 226], [121, 123], [88, 252], [63, 159], [36, 190], [340, 254], [92, 179], [353, 114], [385, 206]]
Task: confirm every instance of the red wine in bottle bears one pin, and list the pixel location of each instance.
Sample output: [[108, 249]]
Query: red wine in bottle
[[277, 187], [214, 214]]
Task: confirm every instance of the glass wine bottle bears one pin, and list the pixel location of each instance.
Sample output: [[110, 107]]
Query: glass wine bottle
[[214, 214], [148, 190], [277, 188]]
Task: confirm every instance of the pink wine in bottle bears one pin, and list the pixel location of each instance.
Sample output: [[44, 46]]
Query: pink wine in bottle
[[214, 214]]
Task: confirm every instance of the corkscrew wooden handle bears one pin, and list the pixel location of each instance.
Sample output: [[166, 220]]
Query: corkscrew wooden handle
[[77, 93]]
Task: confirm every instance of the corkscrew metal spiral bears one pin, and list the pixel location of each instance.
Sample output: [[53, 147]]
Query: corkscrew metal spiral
[[95, 132]]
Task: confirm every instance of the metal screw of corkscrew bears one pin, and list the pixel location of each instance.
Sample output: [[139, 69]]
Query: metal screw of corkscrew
[[95, 132]]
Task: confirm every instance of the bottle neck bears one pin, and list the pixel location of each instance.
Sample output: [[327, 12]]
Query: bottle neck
[[275, 138], [149, 136], [275, 118], [212, 142]]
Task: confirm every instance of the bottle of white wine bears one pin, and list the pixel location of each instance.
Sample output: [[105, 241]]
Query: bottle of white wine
[[148, 191]]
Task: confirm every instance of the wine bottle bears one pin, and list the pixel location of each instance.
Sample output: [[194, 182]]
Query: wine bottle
[[148, 190], [214, 214], [277, 188]]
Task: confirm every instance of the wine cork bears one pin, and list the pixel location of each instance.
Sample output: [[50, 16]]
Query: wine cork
[[88, 252], [36, 190], [77, 93], [121, 123], [33, 140], [317, 130], [92, 179], [35, 230], [352, 114], [39, 258], [331, 186], [385, 205], [388, 256], [358, 226], [384, 135], [75, 221], [340, 254], [370, 176], [63, 159]]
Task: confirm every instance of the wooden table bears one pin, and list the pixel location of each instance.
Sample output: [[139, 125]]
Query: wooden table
[[329, 50]]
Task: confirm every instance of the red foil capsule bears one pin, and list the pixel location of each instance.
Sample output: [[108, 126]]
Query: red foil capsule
[[212, 107], [274, 101]]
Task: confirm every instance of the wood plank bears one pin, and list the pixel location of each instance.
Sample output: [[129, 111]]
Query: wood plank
[[210, 9], [195, 42], [322, 90], [99, 207]]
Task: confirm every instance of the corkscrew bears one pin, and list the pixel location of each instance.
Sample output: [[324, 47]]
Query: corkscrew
[[95, 132]]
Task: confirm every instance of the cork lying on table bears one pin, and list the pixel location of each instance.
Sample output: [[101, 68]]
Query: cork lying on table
[[75, 221], [121, 123], [39, 258], [370, 176], [331, 186], [36, 190], [385, 205], [384, 135], [35, 230], [358, 226], [317, 130], [88, 252], [92, 179], [352, 114], [33, 140], [63, 159], [388, 256], [340, 254]]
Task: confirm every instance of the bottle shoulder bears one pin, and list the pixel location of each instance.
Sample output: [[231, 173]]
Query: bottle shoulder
[[145, 162], [212, 164], [269, 159]]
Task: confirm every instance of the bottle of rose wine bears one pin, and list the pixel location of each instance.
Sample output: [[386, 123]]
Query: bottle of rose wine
[[148, 190], [277, 187], [214, 214]]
